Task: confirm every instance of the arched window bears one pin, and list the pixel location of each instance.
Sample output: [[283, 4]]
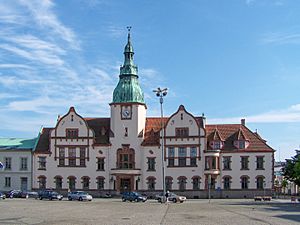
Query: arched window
[[100, 183], [72, 182], [196, 182], [58, 182], [42, 182], [85, 182], [182, 183], [227, 182], [125, 158], [244, 182], [151, 183], [168, 182], [260, 182]]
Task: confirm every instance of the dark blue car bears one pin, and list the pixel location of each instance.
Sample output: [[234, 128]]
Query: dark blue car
[[133, 196]]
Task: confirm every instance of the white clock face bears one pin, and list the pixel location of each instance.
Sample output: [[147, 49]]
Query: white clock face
[[126, 113]]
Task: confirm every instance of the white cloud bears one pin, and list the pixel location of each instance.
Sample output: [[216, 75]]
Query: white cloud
[[291, 114], [281, 38]]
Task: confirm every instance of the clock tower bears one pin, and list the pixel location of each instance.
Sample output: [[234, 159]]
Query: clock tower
[[128, 108]]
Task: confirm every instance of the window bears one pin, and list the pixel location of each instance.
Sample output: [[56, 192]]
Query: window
[[216, 145], [151, 164], [210, 163], [227, 181], [100, 183], [61, 157], [72, 133], [42, 182], [260, 182], [82, 156], [182, 156], [244, 182], [42, 163], [126, 158], [171, 155], [23, 165], [182, 183], [72, 156], [182, 132], [7, 182], [227, 163], [7, 163], [169, 182], [151, 183], [72, 182], [193, 155], [58, 182], [244, 162], [85, 182], [260, 162], [240, 144], [196, 183], [100, 164]]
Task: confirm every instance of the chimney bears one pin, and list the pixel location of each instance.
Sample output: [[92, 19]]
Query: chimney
[[243, 122]]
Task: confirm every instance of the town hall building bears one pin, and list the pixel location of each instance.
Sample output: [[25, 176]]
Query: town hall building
[[130, 151]]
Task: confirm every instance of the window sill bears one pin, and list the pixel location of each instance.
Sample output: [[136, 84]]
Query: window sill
[[100, 170], [181, 166], [244, 169], [71, 166], [260, 168], [227, 169], [41, 168], [151, 170]]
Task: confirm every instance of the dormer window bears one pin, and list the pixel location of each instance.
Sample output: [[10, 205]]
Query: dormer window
[[72, 133], [216, 144], [182, 132], [241, 144]]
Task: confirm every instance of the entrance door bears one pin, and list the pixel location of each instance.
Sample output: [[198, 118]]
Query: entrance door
[[125, 185], [24, 182]]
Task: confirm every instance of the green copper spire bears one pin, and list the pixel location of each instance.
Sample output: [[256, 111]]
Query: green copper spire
[[128, 88]]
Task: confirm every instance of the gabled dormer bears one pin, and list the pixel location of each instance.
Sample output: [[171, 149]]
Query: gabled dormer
[[241, 141], [215, 140]]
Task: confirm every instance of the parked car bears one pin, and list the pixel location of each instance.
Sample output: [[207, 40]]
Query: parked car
[[133, 196], [50, 195], [16, 194], [79, 195], [2, 196], [31, 194], [172, 197]]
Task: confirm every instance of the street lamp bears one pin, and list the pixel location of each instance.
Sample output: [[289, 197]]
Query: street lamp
[[162, 93]]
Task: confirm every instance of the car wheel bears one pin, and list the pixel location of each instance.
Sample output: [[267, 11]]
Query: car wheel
[[136, 200], [123, 200], [60, 199], [80, 199], [50, 198], [69, 198], [181, 201], [41, 198], [174, 200]]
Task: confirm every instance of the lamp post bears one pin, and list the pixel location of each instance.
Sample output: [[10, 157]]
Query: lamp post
[[162, 93]]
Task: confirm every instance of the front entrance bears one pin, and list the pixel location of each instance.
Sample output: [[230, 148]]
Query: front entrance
[[24, 183], [125, 185]]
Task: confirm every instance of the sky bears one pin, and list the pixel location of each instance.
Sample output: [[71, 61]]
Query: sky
[[227, 59]]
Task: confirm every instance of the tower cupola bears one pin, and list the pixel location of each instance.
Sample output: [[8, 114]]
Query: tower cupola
[[128, 89]]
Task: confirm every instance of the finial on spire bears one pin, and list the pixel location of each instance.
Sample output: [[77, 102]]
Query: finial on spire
[[128, 28]]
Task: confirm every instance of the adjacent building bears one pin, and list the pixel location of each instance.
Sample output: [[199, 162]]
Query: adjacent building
[[16, 158], [124, 152]]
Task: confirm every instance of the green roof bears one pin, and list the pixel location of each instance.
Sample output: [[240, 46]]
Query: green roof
[[17, 143], [128, 89]]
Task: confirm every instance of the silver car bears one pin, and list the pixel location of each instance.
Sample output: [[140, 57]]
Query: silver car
[[80, 196]]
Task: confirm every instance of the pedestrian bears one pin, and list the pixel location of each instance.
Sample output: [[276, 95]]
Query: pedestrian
[[167, 196]]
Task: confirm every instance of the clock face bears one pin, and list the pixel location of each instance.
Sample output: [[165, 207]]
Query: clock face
[[126, 112]]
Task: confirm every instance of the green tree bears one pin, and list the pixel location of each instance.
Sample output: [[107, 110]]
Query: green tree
[[284, 184], [291, 171]]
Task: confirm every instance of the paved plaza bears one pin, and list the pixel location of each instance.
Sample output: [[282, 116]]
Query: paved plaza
[[115, 212]]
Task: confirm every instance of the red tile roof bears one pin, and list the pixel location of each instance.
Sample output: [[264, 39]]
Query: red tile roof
[[153, 126], [101, 128], [230, 133], [43, 143]]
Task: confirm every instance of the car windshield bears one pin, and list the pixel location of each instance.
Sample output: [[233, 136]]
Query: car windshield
[[54, 193], [82, 193]]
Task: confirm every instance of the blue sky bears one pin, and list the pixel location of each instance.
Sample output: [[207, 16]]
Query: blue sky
[[228, 59]]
